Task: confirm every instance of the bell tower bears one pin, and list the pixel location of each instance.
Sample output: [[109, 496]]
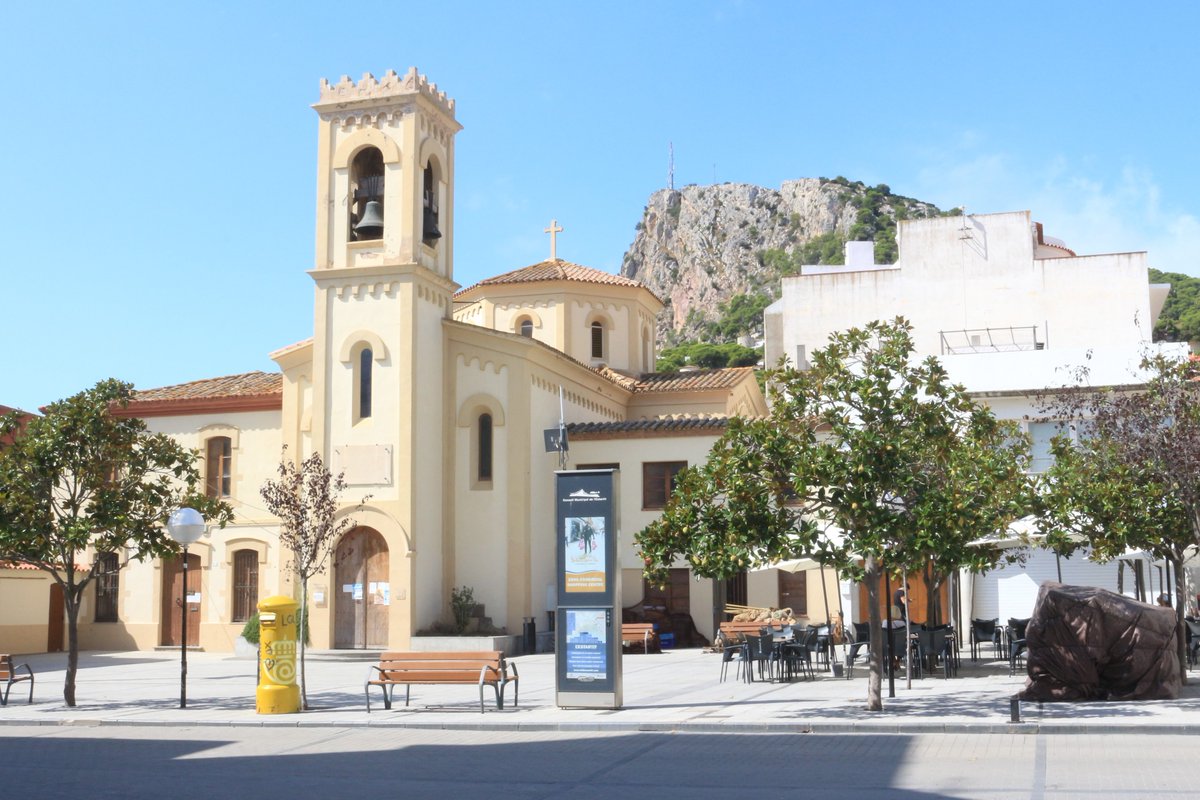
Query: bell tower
[[385, 179], [384, 280]]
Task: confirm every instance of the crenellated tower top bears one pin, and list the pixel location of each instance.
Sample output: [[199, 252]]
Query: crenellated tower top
[[369, 91]]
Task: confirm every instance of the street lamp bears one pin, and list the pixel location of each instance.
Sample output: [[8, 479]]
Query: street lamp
[[186, 526]]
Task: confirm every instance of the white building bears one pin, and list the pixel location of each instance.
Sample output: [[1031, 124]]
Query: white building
[[1009, 311]]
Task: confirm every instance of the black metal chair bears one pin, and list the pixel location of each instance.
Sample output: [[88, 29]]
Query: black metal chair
[[761, 650], [982, 632], [934, 644], [1016, 643], [1192, 629], [734, 652], [862, 640]]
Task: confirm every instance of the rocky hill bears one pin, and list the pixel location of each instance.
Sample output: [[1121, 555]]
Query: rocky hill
[[708, 251]]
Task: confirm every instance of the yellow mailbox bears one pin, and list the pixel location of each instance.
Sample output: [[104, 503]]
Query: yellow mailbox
[[277, 690]]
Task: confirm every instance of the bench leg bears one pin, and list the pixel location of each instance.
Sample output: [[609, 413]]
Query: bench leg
[[4, 696], [30, 689], [407, 693]]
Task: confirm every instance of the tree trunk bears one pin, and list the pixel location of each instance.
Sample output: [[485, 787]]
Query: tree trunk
[[1180, 626], [300, 636], [875, 653], [71, 601]]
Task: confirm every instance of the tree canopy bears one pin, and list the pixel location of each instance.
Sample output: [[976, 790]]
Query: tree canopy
[[868, 461], [1126, 474], [1180, 317], [306, 500], [82, 481]]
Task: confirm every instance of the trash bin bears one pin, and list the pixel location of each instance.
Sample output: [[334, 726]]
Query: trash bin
[[530, 636], [666, 641]]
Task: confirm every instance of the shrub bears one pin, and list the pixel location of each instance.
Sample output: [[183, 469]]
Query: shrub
[[462, 604]]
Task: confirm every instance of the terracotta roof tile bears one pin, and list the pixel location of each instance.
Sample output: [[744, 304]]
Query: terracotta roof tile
[[22, 565], [289, 348], [674, 424], [554, 269], [248, 384], [699, 380]]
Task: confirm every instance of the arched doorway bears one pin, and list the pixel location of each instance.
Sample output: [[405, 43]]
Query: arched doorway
[[172, 618], [363, 593]]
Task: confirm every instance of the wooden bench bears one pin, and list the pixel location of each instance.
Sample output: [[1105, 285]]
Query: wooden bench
[[9, 676], [485, 668], [633, 633], [734, 631]]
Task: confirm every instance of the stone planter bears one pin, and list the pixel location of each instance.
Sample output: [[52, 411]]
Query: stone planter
[[509, 644], [243, 649]]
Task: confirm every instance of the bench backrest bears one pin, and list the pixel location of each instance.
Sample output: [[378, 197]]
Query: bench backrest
[[449, 664], [637, 627], [6, 667]]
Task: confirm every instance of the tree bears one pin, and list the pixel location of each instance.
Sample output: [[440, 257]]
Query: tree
[[1130, 476], [81, 482], [306, 501], [1180, 317], [867, 462]]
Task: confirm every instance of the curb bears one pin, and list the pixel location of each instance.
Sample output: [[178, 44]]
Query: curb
[[818, 728]]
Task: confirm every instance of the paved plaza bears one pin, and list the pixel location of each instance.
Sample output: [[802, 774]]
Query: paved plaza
[[675, 691]]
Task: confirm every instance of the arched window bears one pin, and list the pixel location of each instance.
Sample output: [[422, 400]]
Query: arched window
[[218, 455], [245, 584], [597, 340], [429, 228], [484, 469], [366, 186], [364, 383], [108, 571], [526, 328]]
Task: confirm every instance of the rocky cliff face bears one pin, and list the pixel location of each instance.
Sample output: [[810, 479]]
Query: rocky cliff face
[[699, 246]]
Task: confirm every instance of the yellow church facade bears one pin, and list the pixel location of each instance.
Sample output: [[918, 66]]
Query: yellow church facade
[[433, 400]]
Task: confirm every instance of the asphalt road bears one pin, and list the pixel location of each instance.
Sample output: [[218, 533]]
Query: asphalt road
[[214, 762]]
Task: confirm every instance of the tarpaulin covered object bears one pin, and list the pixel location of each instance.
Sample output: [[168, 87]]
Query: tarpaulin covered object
[[1087, 643]]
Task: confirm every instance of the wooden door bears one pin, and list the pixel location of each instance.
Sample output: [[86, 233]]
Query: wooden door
[[918, 593], [172, 619], [793, 592], [362, 591], [54, 623]]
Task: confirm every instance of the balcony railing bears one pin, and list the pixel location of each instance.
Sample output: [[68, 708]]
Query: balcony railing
[[991, 340]]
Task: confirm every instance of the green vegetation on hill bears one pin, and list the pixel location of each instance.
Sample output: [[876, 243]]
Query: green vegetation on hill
[[708, 356], [1180, 318]]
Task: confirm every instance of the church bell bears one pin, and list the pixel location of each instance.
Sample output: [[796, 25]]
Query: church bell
[[429, 226], [371, 224]]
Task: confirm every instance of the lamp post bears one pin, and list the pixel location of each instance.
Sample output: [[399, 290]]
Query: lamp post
[[185, 526]]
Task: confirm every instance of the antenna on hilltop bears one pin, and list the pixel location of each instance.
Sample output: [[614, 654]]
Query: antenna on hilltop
[[671, 166]]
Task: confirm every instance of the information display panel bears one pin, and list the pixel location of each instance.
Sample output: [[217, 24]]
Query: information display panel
[[588, 634]]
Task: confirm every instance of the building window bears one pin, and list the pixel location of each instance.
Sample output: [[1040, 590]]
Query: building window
[[218, 455], [364, 383], [597, 340], [526, 328], [108, 570], [245, 584], [658, 480], [484, 470]]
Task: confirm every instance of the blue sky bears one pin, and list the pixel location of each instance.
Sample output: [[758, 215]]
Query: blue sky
[[157, 160]]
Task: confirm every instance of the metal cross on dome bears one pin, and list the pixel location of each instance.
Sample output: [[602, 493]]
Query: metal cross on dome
[[553, 230]]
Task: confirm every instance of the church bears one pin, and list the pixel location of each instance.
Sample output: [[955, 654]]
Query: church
[[433, 400]]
